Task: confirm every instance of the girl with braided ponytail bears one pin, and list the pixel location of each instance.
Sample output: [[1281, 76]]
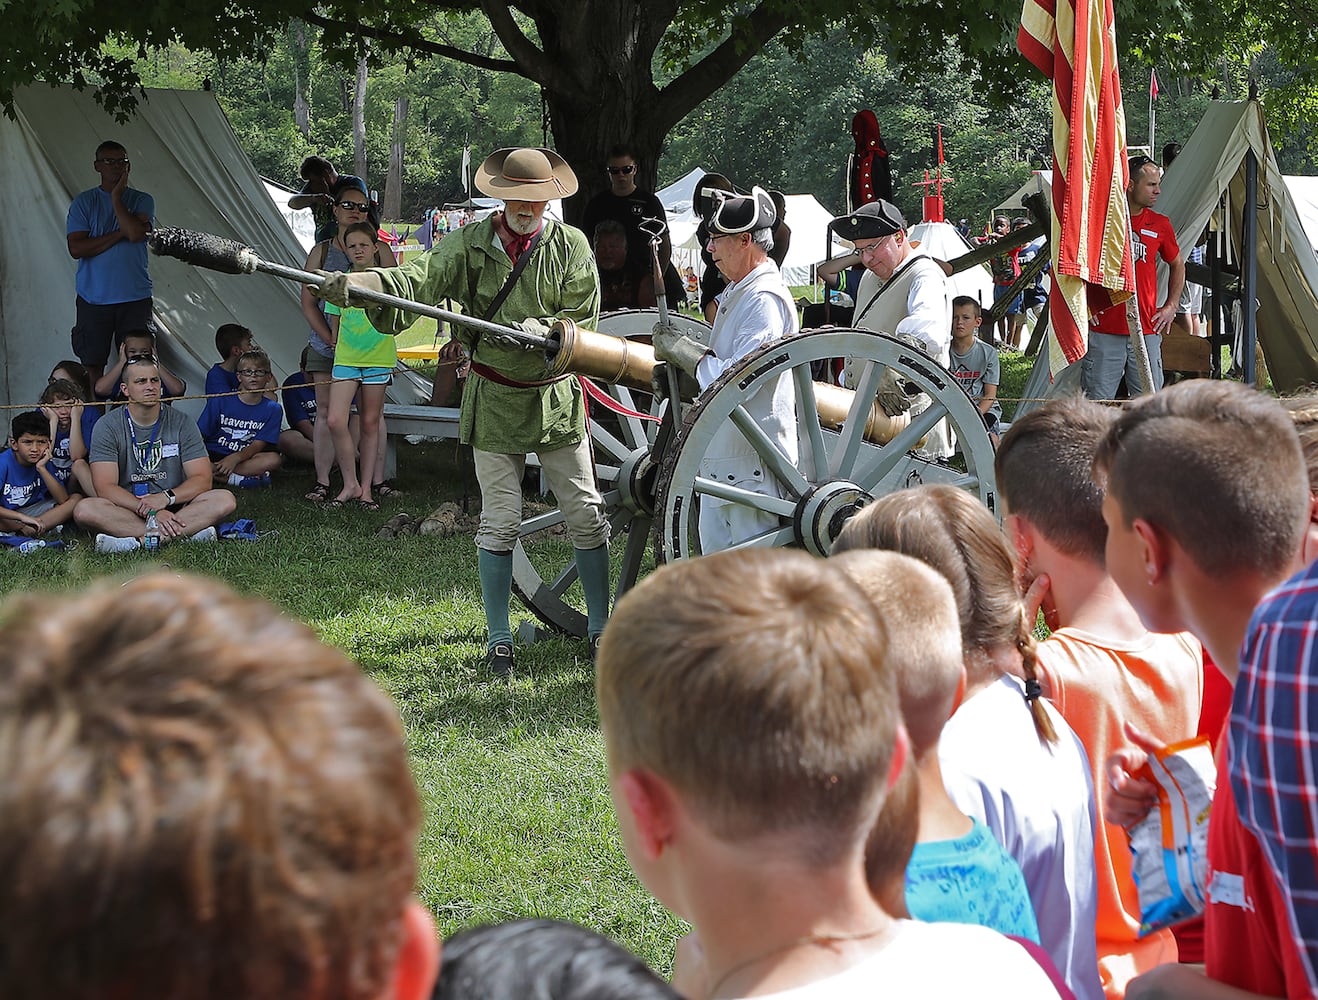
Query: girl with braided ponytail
[[1008, 757]]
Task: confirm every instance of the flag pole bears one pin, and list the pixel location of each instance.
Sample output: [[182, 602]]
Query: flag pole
[[1153, 96]]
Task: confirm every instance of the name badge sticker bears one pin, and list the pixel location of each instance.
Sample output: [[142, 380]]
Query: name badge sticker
[[1148, 232], [169, 451]]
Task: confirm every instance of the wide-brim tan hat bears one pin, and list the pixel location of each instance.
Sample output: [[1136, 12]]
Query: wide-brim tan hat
[[526, 174]]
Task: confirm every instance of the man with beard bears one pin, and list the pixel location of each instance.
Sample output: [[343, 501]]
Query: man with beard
[[518, 269]]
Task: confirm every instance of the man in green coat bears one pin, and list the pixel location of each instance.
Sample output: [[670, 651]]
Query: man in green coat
[[510, 406]]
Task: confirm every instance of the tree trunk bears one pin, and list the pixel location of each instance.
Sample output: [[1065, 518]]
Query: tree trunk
[[301, 77], [359, 122], [393, 185]]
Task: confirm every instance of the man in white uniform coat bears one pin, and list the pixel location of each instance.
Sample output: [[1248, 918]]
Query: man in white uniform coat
[[903, 293], [755, 309]]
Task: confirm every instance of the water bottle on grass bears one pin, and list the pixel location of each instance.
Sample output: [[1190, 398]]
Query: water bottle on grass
[[151, 537]]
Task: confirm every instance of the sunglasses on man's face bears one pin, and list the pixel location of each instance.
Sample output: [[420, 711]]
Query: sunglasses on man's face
[[630, 168], [353, 206]]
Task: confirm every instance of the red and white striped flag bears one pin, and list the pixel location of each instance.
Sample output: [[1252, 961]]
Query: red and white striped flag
[[1153, 84], [1073, 43]]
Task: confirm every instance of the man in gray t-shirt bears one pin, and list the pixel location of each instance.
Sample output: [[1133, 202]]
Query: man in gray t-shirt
[[148, 459]]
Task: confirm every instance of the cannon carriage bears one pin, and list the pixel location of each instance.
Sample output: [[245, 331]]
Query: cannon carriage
[[850, 452]]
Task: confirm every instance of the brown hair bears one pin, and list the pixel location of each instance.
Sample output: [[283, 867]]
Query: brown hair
[[201, 800], [61, 388], [1303, 409], [1218, 466], [755, 682], [260, 357], [80, 376], [1044, 469], [955, 534], [919, 611], [228, 336]]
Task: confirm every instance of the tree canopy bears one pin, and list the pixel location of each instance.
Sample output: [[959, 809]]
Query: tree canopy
[[608, 71]]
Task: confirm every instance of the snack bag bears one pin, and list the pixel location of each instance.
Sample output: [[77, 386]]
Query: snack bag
[[1170, 845]]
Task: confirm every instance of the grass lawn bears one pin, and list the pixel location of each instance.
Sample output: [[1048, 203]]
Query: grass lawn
[[518, 817]]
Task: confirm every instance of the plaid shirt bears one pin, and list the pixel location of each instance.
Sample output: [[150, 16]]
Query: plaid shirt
[[1273, 748]]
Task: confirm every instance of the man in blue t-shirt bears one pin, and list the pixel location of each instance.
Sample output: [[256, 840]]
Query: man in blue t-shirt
[[107, 229]]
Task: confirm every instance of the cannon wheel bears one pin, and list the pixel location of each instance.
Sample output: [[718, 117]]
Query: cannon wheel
[[838, 470], [544, 572]]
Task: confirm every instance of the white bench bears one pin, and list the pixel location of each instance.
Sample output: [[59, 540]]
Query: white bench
[[426, 421]]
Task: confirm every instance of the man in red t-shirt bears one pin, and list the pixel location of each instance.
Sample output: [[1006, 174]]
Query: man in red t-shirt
[[1110, 352]]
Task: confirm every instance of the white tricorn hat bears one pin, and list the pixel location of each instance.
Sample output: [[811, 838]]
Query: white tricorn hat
[[526, 174]]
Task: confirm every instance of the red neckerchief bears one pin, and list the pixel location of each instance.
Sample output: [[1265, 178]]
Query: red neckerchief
[[514, 243]]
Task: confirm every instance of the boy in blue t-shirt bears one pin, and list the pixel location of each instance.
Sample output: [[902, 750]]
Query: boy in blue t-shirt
[[299, 397], [71, 424], [958, 872], [241, 431], [974, 364], [232, 341], [32, 500]]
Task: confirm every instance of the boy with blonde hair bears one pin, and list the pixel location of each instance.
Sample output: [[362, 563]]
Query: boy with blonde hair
[[200, 800], [1101, 667], [752, 732], [957, 872]]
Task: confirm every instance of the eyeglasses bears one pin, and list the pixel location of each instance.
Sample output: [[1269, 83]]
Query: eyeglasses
[[114, 161], [354, 206], [862, 251], [629, 169], [252, 372]]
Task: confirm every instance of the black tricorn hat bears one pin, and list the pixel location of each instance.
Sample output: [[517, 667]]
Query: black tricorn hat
[[735, 213], [871, 221]]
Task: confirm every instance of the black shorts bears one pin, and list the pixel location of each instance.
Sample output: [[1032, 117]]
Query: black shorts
[[99, 329]]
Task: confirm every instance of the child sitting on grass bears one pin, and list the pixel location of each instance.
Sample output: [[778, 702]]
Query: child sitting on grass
[[1009, 759], [362, 357], [974, 364], [752, 732], [32, 499], [71, 425], [241, 432], [958, 872]]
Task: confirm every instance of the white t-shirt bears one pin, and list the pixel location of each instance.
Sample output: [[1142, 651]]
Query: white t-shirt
[[936, 961], [1039, 803]]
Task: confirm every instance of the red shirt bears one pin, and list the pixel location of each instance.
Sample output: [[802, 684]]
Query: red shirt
[[1247, 936], [1152, 237]]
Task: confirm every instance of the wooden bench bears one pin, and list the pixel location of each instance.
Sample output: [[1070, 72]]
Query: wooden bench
[[426, 421], [1185, 353]]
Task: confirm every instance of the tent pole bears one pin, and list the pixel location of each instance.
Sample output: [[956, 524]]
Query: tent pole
[[1216, 303], [1249, 269]]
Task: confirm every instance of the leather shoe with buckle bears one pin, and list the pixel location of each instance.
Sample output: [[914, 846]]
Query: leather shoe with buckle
[[499, 659]]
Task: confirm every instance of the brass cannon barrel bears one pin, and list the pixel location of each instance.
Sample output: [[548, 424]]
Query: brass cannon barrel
[[619, 361]]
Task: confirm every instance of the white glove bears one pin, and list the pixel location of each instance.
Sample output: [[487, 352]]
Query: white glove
[[333, 288], [532, 326], [675, 347]]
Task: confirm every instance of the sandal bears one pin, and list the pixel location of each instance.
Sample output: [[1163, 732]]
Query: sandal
[[370, 505], [386, 490], [336, 504], [318, 493]]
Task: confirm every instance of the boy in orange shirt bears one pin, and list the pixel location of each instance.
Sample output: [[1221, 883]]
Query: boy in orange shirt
[[1101, 667]]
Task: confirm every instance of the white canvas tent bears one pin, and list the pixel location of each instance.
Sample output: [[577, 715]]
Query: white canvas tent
[[299, 220], [806, 217], [186, 156], [941, 240]]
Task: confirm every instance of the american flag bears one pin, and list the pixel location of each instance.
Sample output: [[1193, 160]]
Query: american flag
[[1073, 43]]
